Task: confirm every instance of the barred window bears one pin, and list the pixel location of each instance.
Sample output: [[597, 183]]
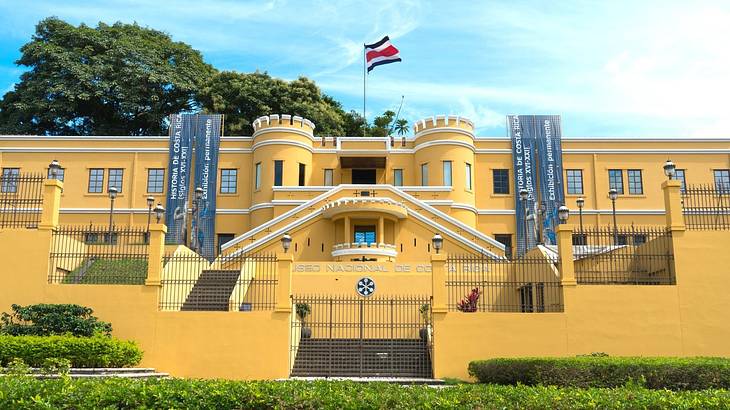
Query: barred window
[[722, 179], [679, 175], [500, 181], [468, 176], [10, 180], [116, 176], [155, 180], [636, 187], [229, 181], [329, 177], [616, 180], [574, 178], [96, 180], [398, 177], [447, 173]]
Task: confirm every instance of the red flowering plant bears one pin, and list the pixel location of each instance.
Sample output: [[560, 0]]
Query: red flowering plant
[[469, 304]]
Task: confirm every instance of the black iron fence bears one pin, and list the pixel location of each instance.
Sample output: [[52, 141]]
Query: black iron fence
[[235, 283], [97, 255], [705, 207], [623, 256], [356, 336], [21, 200], [527, 284]]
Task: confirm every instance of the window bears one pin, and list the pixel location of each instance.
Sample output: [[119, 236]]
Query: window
[[616, 180], [223, 238], [398, 177], [622, 239], [722, 179], [364, 234], [302, 172], [96, 180], [155, 180], [526, 298], [468, 176], [278, 172], [257, 176], [59, 175], [424, 174], [447, 173], [506, 240], [580, 239], [229, 181], [679, 175], [636, 187], [500, 181], [10, 180], [116, 175], [329, 177], [575, 181]]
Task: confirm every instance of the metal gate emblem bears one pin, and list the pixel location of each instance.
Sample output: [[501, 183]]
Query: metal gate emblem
[[365, 287]]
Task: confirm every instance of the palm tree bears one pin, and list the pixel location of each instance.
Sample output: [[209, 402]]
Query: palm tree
[[401, 126]]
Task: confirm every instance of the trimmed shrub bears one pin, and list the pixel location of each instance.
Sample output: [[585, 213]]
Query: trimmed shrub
[[98, 351], [52, 319], [596, 371], [18, 392]]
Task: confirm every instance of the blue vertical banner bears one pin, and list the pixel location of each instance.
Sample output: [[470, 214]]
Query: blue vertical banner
[[207, 144], [550, 159], [522, 136], [178, 181]]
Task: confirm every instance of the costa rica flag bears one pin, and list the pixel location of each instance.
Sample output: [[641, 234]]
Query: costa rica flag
[[382, 52]]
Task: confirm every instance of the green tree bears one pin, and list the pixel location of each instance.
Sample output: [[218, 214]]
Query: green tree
[[243, 97], [119, 79], [401, 126], [381, 124]]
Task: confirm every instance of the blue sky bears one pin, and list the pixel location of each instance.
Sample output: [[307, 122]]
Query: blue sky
[[610, 68]]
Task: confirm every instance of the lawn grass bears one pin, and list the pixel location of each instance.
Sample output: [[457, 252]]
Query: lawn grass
[[125, 271]]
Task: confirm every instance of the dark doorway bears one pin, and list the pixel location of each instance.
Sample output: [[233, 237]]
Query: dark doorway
[[363, 176]]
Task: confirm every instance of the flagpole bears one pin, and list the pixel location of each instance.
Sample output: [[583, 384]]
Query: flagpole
[[364, 76]]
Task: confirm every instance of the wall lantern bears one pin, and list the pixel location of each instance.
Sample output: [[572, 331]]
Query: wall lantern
[[669, 169], [563, 213], [286, 242], [159, 212], [438, 242]]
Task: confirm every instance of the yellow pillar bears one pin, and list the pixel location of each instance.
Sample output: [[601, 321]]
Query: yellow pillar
[[381, 230], [565, 250], [155, 253], [51, 204], [438, 282], [673, 204], [348, 239], [284, 263]]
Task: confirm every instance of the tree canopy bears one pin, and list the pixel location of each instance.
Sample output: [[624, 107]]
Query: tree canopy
[[113, 79], [123, 79]]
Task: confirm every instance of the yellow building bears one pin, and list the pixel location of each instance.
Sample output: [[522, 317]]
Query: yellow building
[[252, 195], [362, 215]]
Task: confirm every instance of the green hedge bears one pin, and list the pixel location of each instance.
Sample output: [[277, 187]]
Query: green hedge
[[25, 392], [98, 351], [653, 373]]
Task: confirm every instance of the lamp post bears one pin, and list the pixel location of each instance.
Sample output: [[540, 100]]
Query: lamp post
[[196, 208], [159, 212], [53, 169], [150, 202], [580, 202], [438, 242], [523, 198], [113, 191], [563, 214], [613, 194], [540, 222], [286, 242], [670, 169]]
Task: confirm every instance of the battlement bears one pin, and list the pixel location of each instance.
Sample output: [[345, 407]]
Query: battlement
[[443, 121], [283, 120]]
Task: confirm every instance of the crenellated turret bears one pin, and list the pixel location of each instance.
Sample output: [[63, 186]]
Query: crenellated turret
[[448, 138], [285, 138]]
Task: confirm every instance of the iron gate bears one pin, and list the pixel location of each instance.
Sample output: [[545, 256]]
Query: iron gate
[[361, 337]]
